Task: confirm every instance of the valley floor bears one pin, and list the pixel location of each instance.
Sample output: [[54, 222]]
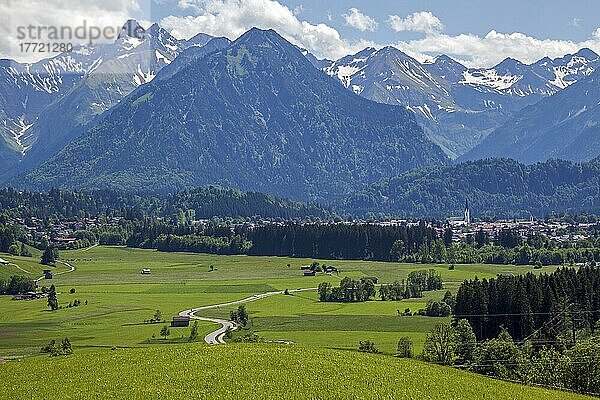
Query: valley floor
[[120, 300]]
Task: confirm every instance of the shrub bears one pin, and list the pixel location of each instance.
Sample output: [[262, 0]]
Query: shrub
[[405, 347], [367, 347]]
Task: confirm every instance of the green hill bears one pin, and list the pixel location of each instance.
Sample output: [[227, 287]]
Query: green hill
[[248, 372], [494, 187]]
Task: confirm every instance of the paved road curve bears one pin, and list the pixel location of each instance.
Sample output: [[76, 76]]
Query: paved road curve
[[216, 337], [66, 264]]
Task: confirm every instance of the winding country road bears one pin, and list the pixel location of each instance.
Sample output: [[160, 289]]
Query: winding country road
[[216, 337], [66, 264]]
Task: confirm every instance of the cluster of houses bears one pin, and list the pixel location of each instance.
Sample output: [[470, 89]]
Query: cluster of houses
[[561, 232], [309, 270], [61, 232]]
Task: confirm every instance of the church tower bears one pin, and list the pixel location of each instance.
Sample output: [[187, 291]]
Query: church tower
[[467, 216]]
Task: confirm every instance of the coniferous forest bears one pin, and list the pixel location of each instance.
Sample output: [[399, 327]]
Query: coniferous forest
[[531, 306]]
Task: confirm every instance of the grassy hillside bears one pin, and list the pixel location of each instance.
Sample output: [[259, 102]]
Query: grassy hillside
[[249, 372]]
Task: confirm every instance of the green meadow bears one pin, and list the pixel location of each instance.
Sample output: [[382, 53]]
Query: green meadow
[[249, 371], [119, 300]]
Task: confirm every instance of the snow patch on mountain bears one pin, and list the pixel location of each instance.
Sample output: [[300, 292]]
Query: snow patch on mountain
[[18, 129], [490, 78]]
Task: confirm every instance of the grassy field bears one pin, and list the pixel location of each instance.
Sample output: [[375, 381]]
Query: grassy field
[[265, 371], [119, 299]]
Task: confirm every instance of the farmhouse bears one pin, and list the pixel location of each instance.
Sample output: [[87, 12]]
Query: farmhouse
[[331, 269], [179, 321], [145, 271], [304, 267], [3, 261], [64, 240], [309, 272], [28, 296]]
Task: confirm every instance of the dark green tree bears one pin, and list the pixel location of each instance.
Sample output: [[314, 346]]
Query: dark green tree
[[165, 331], [49, 256], [466, 342], [194, 332], [52, 299], [405, 347]]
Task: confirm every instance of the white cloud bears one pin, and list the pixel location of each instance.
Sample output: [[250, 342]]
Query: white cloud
[[575, 22], [360, 21], [422, 21], [476, 51], [231, 18], [61, 13], [494, 47]]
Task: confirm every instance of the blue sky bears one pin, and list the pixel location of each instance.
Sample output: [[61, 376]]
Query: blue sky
[[539, 18], [479, 33]]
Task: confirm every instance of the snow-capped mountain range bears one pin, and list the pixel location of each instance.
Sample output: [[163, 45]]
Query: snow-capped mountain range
[[254, 115], [458, 106], [45, 102], [46, 105]]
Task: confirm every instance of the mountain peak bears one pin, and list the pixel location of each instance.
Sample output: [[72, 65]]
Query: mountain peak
[[256, 37], [259, 34], [200, 39], [154, 28], [133, 29], [509, 64], [447, 61], [396, 52], [587, 53]]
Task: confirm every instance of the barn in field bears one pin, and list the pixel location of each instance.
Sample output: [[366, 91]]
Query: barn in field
[[179, 321]]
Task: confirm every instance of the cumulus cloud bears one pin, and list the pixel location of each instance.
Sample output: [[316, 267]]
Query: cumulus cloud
[[480, 51], [67, 13], [231, 18], [360, 21], [494, 47], [422, 21]]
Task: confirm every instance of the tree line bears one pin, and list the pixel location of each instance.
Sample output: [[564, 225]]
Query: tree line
[[540, 307], [416, 283], [338, 241], [348, 291], [200, 203]]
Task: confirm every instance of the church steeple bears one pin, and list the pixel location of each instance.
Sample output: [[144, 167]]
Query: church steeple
[[467, 215]]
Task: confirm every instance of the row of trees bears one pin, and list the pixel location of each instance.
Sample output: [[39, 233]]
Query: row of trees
[[200, 203], [348, 291], [202, 244], [416, 283], [338, 241], [559, 365], [538, 306]]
